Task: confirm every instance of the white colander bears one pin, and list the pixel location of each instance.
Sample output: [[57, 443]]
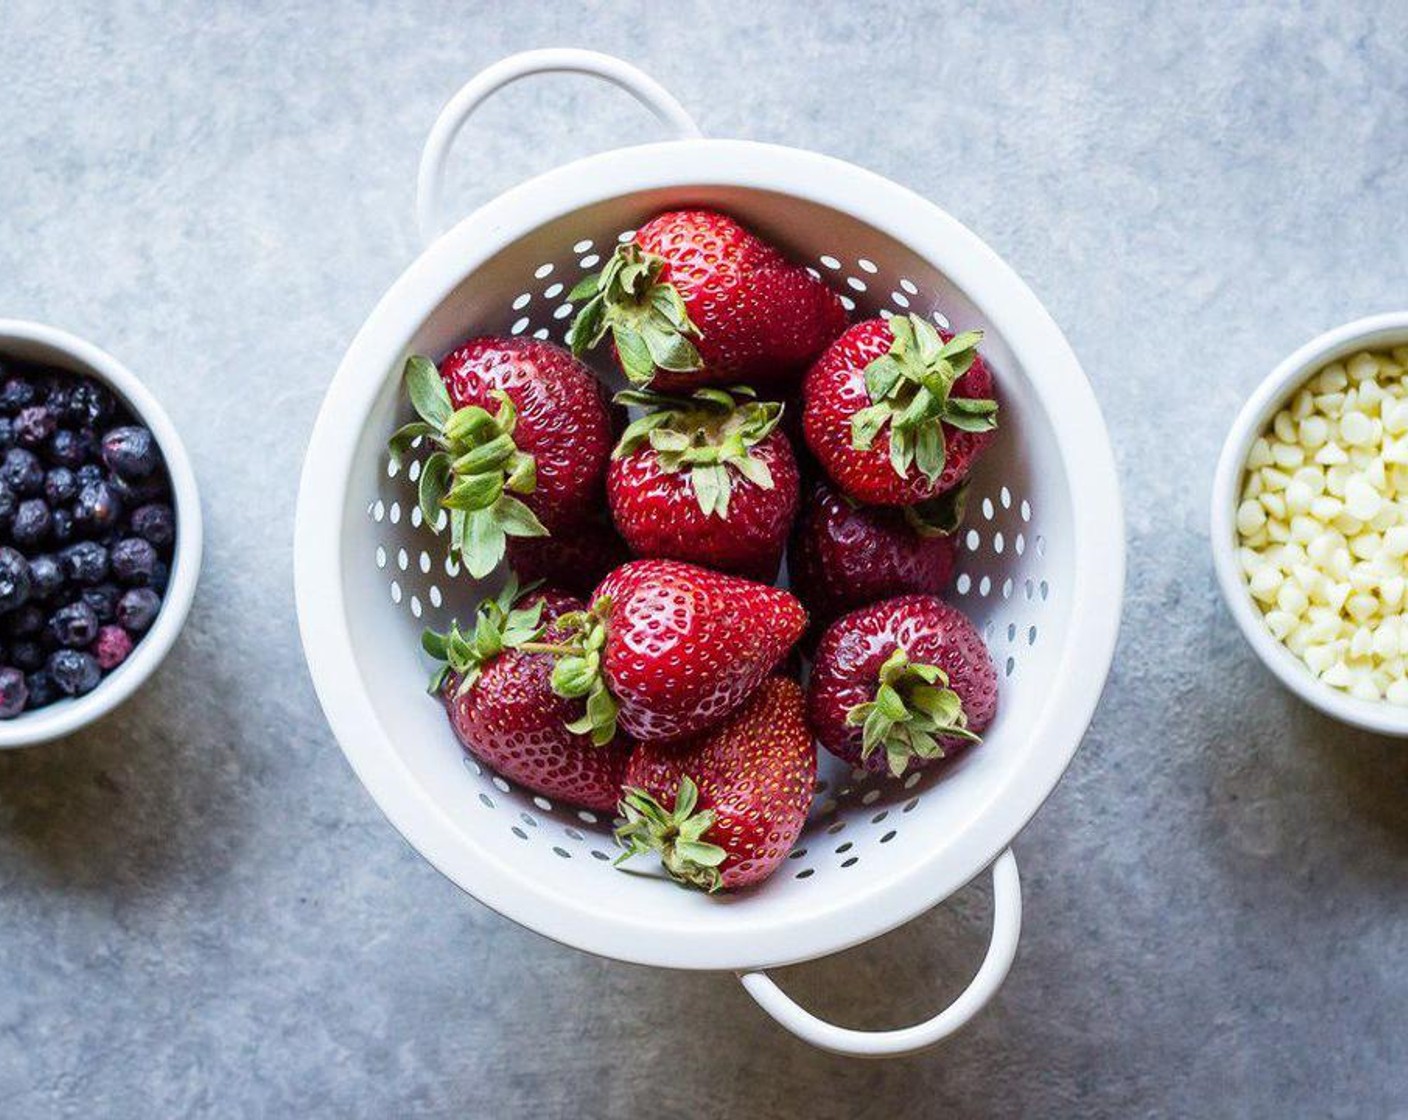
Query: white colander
[[1041, 570]]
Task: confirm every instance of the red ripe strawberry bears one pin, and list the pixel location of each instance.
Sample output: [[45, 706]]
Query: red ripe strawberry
[[845, 555], [668, 649], [522, 432], [740, 793], [574, 559], [695, 299], [705, 479], [501, 704], [901, 683], [896, 413]]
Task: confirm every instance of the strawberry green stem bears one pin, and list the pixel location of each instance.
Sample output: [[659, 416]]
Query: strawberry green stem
[[474, 471], [676, 834], [645, 316], [910, 389], [578, 674], [912, 710], [498, 625], [709, 436]]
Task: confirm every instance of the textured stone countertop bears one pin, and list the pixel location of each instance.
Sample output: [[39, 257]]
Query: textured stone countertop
[[202, 913]]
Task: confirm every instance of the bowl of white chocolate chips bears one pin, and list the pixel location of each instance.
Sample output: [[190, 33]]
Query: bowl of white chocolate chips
[[1310, 522]]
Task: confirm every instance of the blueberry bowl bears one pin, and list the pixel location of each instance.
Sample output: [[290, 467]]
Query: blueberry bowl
[[100, 533]]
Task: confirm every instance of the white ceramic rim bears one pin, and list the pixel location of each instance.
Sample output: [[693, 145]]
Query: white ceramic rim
[[66, 716], [988, 282], [1372, 333]]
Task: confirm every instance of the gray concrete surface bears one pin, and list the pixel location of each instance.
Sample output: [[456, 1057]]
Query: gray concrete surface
[[201, 911]]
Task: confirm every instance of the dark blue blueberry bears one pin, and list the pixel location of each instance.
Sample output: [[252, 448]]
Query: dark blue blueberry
[[90, 404], [89, 472], [103, 600], [7, 433], [60, 486], [31, 523], [14, 580], [74, 626], [85, 562], [46, 576], [8, 501], [61, 526], [42, 690], [161, 576], [59, 396], [74, 672], [133, 561], [155, 522], [34, 425], [137, 609], [14, 692], [140, 491], [22, 622], [96, 508], [27, 654], [15, 393], [67, 448], [21, 472], [131, 452]]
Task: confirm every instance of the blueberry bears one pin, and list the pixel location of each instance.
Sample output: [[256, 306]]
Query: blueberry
[[88, 473], [74, 626], [60, 486], [111, 647], [14, 580], [137, 609], [14, 693], [103, 600], [68, 448], [34, 425], [22, 622], [8, 501], [21, 472], [46, 576], [42, 690], [133, 561], [59, 396], [74, 672], [155, 522], [90, 404], [7, 433], [31, 523], [138, 492], [61, 526], [85, 562], [97, 507], [15, 394], [131, 452], [26, 654]]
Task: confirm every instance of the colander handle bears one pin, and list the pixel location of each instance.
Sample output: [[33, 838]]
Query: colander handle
[[1006, 928], [430, 185]]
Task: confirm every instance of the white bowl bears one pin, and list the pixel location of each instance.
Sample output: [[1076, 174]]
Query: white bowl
[[37, 343], [1378, 332]]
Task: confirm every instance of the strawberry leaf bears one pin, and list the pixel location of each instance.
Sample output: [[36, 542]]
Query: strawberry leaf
[[427, 391]]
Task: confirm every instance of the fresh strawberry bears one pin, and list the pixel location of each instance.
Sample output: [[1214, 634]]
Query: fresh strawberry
[[740, 793], [522, 432], [501, 704], [575, 559], [901, 683], [667, 649], [845, 555], [896, 413], [705, 478], [696, 299]]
